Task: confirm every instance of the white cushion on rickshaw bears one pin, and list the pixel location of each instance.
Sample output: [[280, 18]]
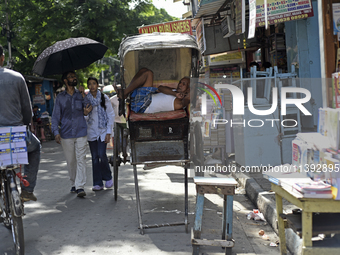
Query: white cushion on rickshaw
[[158, 116]]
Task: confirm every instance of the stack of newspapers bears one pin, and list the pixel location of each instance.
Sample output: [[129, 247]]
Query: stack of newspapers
[[313, 189], [13, 149]]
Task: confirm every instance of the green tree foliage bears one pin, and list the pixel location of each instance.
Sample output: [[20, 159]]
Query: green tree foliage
[[37, 24]]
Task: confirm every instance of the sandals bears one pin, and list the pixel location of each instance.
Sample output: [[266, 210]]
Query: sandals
[[121, 100]]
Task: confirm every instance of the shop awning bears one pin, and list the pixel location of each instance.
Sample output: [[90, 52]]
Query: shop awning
[[33, 79], [187, 15], [209, 7]]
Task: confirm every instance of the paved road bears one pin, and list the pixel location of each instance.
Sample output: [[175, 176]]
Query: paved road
[[61, 223]]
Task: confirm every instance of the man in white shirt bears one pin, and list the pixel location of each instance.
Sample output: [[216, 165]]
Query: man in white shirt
[[143, 93], [120, 122]]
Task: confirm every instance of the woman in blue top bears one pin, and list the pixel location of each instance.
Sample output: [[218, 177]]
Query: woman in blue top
[[99, 117]]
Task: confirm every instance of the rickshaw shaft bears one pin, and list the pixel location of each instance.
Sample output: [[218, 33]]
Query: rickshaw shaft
[[163, 225]]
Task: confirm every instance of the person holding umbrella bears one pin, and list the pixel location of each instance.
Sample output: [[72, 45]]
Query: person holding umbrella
[[68, 113], [60, 58], [81, 89], [99, 119]]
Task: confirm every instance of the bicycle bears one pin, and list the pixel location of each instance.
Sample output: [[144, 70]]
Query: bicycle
[[48, 132], [11, 206]]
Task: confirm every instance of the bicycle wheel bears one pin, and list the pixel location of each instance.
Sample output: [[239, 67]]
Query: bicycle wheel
[[4, 206], [18, 235], [48, 132], [15, 222]]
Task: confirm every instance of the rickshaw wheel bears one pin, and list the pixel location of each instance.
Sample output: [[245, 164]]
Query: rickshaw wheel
[[116, 160], [195, 250], [196, 147], [125, 140], [228, 250]]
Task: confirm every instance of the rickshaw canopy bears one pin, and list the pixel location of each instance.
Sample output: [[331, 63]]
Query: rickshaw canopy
[[156, 41], [168, 55]]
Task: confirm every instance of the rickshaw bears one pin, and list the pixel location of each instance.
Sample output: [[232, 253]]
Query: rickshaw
[[162, 137]]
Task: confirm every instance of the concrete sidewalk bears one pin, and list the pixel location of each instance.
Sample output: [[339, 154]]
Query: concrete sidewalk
[[61, 223], [258, 190]]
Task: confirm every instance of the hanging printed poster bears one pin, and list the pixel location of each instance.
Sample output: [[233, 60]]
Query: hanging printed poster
[[240, 25], [252, 18], [336, 18], [282, 11]]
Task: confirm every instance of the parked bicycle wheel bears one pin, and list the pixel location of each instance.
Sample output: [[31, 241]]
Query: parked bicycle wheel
[[48, 132], [46, 124], [11, 210]]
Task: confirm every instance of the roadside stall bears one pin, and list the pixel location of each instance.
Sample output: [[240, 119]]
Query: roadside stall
[[312, 184]]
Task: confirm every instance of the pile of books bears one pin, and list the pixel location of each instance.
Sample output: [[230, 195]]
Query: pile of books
[[313, 189], [288, 178]]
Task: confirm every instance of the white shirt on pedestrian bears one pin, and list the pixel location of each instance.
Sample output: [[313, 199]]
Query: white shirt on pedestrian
[[93, 131], [115, 105]]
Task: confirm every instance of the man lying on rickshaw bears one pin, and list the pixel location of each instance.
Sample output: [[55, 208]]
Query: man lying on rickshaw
[[146, 98]]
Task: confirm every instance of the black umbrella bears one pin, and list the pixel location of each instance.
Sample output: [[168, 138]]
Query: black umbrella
[[67, 55]]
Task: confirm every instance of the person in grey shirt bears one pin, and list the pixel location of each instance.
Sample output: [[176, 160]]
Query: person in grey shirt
[[16, 110], [68, 113]]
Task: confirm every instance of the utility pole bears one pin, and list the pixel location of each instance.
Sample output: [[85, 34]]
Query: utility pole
[[103, 80], [9, 63]]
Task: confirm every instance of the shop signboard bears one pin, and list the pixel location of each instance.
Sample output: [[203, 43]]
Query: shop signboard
[[225, 72], [282, 11], [38, 97], [38, 88], [180, 26], [226, 58]]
